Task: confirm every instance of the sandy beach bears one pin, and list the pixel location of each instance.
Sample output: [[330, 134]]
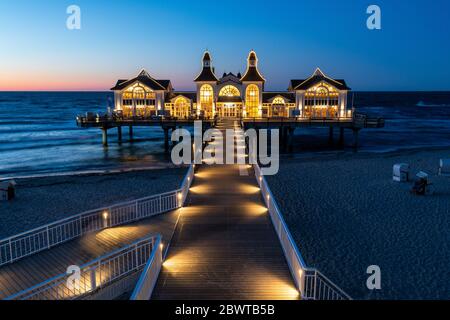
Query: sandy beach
[[46, 199], [346, 214]]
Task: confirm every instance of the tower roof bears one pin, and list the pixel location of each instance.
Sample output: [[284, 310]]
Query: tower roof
[[206, 56], [252, 74], [207, 73]]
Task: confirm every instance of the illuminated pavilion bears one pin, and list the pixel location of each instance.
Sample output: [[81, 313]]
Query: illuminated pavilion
[[233, 96]]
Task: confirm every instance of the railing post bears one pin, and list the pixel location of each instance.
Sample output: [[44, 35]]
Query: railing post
[[10, 250], [137, 210], [81, 225], [137, 256], [48, 238], [93, 279], [315, 284]]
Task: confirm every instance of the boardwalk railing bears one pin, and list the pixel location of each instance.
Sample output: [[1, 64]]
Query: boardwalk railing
[[53, 234], [149, 277], [96, 274], [310, 282]]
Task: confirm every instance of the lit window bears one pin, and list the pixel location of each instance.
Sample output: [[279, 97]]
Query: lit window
[[229, 91], [252, 100]]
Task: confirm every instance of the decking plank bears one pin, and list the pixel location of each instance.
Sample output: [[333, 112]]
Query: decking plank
[[225, 247], [44, 265]]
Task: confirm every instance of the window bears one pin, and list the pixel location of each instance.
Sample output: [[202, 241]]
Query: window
[[181, 107], [206, 100], [278, 100], [229, 91], [252, 100], [206, 94]]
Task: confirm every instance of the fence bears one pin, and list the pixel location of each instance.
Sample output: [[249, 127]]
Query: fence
[[51, 235], [96, 274], [147, 281], [310, 282]]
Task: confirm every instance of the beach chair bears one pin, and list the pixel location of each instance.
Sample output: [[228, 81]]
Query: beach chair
[[444, 168], [401, 172], [422, 186]]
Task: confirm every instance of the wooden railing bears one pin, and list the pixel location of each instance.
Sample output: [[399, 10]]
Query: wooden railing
[[56, 233], [310, 282], [95, 275]]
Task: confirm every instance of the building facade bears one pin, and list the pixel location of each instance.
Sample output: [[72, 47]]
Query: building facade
[[233, 96]]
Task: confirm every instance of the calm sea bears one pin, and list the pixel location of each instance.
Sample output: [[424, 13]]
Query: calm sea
[[38, 133]]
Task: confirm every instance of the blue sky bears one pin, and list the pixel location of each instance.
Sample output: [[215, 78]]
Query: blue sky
[[291, 38]]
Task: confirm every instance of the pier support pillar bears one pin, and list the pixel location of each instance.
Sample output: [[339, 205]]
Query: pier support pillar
[[330, 136], [105, 137], [119, 134], [355, 139], [341, 137], [130, 132], [166, 139], [290, 143]]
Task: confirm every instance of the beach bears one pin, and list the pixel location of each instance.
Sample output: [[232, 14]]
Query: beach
[[347, 214], [42, 200]]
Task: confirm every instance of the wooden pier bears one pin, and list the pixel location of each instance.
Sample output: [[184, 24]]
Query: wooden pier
[[39, 267], [225, 246], [286, 126]]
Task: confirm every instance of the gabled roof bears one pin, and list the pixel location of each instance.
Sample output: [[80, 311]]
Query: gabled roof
[[268, 97], [145, 79], [316, 78], [230, 77], [206, 75], [191, 95]]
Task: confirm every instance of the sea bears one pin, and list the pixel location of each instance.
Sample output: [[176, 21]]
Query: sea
[[39, 134]]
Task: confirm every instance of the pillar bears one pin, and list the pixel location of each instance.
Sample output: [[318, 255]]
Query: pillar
[[119, 134], [291, 139], [341, 137], [130, 131], [166, 139], [330, 136], [355, 139], [105, 136]]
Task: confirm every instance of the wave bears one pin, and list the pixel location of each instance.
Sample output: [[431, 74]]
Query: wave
[[423, 104]]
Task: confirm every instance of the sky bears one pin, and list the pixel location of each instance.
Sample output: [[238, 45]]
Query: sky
[[167, 38]]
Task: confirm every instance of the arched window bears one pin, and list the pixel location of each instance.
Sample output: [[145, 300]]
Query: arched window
[[229, 91], [206, 100], [278, 100], [322, 101], [206, 94], [181, 107], [252, 100]]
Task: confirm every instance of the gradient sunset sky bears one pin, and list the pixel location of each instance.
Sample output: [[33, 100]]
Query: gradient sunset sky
[[291, 38]]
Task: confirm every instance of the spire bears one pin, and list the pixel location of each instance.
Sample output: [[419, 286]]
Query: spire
[[206, 59], [252, 59]]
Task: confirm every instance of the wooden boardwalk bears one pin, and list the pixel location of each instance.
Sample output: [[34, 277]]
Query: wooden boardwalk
[[225, 246], [42, 266]]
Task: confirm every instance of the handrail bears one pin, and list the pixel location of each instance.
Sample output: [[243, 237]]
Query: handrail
[[149, 277], [50, 235], [310, 282], [95, 274]]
